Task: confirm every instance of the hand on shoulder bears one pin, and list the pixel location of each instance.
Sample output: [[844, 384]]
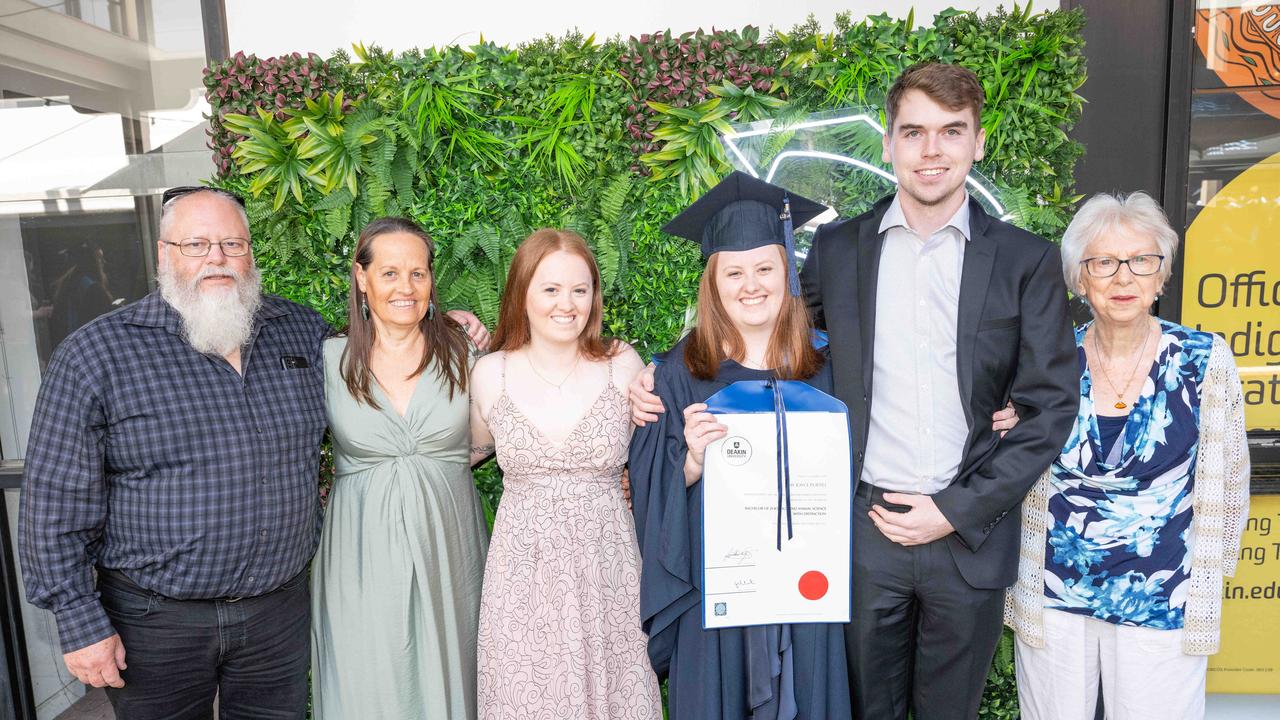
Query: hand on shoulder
[[631, 372], [626, 364]]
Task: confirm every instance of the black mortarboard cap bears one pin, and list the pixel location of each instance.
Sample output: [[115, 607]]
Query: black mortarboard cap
[[744, 213]]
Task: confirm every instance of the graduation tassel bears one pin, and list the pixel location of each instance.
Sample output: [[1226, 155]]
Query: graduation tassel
[[784, 460], [789, 241], [779, 407]]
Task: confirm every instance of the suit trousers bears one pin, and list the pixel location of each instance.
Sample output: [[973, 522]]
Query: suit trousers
[[252, 653], [921, 639]]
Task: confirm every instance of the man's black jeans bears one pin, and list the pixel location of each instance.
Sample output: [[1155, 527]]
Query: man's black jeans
[[253, 653]]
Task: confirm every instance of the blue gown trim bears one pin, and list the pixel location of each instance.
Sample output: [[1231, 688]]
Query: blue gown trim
[[756, 396]]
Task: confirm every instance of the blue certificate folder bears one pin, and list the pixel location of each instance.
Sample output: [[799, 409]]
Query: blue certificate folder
[[777, 507]]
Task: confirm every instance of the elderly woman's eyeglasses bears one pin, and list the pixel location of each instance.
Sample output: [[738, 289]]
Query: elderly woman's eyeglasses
[[1105, 266], [199, 247]]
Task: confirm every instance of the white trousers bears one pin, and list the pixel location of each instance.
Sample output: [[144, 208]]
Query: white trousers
[[1144, 674]]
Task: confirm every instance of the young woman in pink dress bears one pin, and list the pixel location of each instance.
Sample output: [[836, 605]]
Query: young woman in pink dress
[[560, 629]]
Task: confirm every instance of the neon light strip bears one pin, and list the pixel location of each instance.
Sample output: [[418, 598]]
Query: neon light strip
[[768, 128], [743, 158], [990, 198], [773, 169]]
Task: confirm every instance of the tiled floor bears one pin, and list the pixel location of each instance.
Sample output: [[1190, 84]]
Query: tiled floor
[[93, 706]]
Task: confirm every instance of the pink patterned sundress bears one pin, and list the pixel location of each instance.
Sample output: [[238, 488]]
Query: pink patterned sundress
[[560, 629]]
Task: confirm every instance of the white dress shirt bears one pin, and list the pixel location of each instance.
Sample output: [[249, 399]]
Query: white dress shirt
[[918, 427]]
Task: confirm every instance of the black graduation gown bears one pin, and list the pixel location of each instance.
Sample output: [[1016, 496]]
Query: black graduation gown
[[716, 673]]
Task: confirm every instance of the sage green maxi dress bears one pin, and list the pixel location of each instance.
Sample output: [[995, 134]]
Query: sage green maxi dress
[[396, 580]]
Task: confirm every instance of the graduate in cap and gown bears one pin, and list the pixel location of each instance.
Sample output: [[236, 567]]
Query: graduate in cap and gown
[[752, 324]]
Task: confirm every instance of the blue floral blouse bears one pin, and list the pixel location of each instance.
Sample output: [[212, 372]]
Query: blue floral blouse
[[1119, 543]]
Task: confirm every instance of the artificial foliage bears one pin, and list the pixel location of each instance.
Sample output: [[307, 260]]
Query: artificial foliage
[[680, 70], [246, 82], [482, 144]]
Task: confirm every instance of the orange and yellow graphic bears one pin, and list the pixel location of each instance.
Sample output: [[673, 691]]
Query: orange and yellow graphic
[[1241, 45]]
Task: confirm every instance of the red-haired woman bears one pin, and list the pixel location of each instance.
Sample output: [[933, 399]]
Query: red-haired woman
[[751, 326], [559, 615]]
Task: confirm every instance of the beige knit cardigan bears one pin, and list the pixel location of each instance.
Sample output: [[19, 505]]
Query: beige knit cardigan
[[1220, 501]]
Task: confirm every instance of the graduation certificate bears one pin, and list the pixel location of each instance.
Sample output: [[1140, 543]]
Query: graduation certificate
[[776, 514]]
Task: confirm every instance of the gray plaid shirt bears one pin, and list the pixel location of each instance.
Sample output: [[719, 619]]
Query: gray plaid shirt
[[153, 459]]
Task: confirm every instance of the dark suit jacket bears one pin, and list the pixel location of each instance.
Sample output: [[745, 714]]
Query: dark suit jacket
[[1014, 341]]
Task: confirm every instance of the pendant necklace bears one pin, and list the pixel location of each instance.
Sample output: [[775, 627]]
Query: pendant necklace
[[560, 385], [1120, 394]]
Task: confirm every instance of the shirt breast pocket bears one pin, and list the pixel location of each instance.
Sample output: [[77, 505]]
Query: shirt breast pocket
[[295, 402]]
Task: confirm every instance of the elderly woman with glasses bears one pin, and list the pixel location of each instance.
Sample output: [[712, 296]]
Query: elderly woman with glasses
[[1127, 536]]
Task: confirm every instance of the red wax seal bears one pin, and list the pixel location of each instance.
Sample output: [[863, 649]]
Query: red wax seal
[[813, 585]]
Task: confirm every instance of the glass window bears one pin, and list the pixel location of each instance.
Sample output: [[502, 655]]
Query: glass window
[[101, 109], [105, 14], [1231, 276]]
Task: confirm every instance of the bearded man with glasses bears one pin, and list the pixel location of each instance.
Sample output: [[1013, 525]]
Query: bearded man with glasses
[[170, 502], [174, 450]]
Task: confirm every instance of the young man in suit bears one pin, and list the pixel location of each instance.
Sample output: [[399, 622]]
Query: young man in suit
[[950, 314]]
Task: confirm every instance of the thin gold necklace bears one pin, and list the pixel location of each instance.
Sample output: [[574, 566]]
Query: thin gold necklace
[[1120, 395], [558, 386]]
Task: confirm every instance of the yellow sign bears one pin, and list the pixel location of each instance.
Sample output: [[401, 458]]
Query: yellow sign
[[1248, 661], [1231, 283]]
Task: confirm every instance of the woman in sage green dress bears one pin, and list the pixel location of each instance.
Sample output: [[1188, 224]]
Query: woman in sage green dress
[[396, 580]]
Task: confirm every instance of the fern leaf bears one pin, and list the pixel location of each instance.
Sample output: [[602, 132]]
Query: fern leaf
[[466, 241], [380, 158], [335, 199], [512, 227], [337, 221], [259, 211], [360, 214], [487, 296], [613, 199], [375, 194], [606, 251], [401, 172], [622, 232], [455, 290], [490, 243]]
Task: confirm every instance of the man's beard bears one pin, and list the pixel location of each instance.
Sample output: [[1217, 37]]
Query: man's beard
[[943, 196], [216, 321]]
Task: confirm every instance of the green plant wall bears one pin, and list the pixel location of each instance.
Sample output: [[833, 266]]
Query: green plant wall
[[483, 144]]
